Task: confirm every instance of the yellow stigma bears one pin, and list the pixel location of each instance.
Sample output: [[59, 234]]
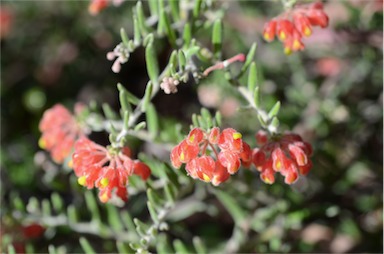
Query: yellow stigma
[[307, 31], [70, 164], [296, 44], [182, 156], [42, 143], [82, 180], [287, 51], [278, 166], [104, 198], [237, 135], [104, 182], [206, 178], [192, 138], [267, 180]]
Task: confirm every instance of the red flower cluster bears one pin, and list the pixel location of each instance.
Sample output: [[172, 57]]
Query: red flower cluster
[[233, 152], [290, 32], [287, 154], [60, 130], [106, 169]]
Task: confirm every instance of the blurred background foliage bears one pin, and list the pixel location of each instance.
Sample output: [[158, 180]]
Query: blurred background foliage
[[331, 94]]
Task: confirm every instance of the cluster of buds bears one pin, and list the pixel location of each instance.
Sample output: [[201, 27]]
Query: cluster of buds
[[121, 54], [169, 85], [292, 25], [60, 129], [287, 154], [106, 168], [197, 148]]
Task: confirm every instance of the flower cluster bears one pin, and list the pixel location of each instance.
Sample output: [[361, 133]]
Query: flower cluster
[[292, 25], [287, 154], [60, 129], [197, 148], [106, 169]]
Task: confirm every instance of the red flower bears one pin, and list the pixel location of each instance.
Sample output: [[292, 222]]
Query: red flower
[[229, 150], [287, 154], [96, 6], [60, 129], [108, 170], [293, 24]]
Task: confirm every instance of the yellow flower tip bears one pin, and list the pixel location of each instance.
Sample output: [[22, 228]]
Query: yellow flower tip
[[104, 182], [104, 198], [82, 180], [70, 164], [296, 44], [278, 166], [282, 36], [42, 143], [267, 180], [307, 31], [237, 135], [267, 37], [192, 138], [287, 51], [206, 178], [182, 156]]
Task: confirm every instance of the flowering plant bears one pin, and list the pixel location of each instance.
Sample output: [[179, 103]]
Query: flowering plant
[[153, 172]]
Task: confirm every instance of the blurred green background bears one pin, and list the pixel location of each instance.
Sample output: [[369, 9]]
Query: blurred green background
[[331, 93]]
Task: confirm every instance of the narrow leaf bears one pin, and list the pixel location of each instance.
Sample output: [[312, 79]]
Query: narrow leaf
[[72, 214], [198, 244], [141, 18], [207, 117], [91, 203], [126, 219], [249, 59], [169, 30], [152, 120], [275, 110], [256, 97], [153, 7], [152, 65], [122, 248], [179, 247], [140, 126], [114, 218], [46, 208], [86, 246], [57, 202], [182, 60], [152, 213], [218, 118], [231, 205], [147, 96], [217, 38], [197, 8], [11, 249], [187, 34], [252, 77], [154, 199], [124, 37], [136, 32], [175, 10], [108, 112], [130, 97]]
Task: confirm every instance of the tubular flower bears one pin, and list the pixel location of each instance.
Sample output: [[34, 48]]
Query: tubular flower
[[60, 129], [106, 169], [293, 24], [221, 154], [287, 154]]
